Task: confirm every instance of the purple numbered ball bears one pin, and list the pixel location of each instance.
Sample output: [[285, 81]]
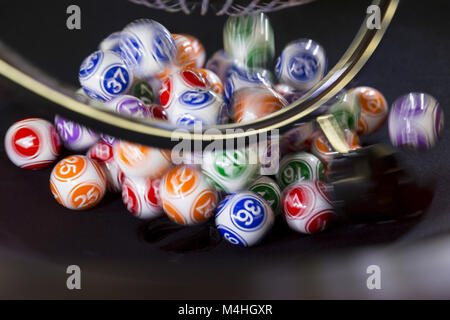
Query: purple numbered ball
[[416, 121], [75, 136], [129, 106]]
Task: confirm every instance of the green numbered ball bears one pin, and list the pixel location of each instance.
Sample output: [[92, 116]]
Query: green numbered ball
[[142, 90], [347, 111], [269, 190], [299, 166], [250, 40]]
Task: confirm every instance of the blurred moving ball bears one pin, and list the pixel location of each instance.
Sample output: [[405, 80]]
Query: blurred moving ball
[[238, 78], [188, 198], [212, 80], [299, 166], [307, 207], [32, 143], [220, 63], [129, 106], [75, 136], [346, 110], [416, 121], [78, 183], [111, 43], [141, 197], [244, 218], [269, 191], [322, 148]]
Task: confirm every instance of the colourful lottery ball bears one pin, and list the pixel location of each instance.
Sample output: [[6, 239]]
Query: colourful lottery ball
[[374, 109], [32, 143], [249, 104], [75, 137], [108, 139], [299, 166], [307, 207], [187, 197], [141, 197], [144, 91], [416, 121], [244, 218], [147, 47], [302, 64], [103, 153], [103, 76], [231, 170], [141, 161], [78, 183], [190, 51], [220, 63], [322, 148], [346, 110], [268, 190], [157, 112], [111, 43], [249, 39], [212, 80], [129, 106]]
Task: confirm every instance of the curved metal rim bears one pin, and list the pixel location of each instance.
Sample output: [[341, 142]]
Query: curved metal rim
[[360, 50]]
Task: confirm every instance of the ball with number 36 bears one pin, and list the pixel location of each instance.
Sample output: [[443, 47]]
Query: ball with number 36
[[244, 218], [78, 183]]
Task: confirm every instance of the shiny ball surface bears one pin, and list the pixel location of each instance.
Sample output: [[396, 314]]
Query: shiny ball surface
[[141, 197], [75, 136], [129, 106], [298, 167], [269, 190]]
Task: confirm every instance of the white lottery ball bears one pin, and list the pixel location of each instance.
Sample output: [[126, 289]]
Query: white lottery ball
[[244, 218], [75, 137], [32, 143], [111, 43], [299, 166], [78, 183], [141, 197], [103, 75]]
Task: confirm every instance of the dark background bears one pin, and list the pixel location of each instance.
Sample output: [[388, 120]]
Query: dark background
[[39, 239]]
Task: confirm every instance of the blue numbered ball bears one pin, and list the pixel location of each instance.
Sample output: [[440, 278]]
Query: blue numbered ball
[[103, 76], [147, 47], [416, 121], [244, 218], [302, 64], [112, 43]]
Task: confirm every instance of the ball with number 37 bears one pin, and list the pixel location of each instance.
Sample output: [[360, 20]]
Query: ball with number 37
[[244, 218], [78, 183]]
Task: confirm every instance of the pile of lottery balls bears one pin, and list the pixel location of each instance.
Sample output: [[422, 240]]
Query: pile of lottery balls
[[146, 72]]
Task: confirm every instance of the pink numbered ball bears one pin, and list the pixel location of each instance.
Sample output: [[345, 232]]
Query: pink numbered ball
[[103, 153], [32, 143], [141, 197]]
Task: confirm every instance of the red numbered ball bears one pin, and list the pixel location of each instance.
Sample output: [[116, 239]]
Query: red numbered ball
[[307, 207], [188, 198], [78, 183], [32, 143], [103, 153], [141, 197]]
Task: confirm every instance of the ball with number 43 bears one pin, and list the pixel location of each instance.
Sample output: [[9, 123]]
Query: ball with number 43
[[244, 218], [299, 166], [187, 197], [78, 183]]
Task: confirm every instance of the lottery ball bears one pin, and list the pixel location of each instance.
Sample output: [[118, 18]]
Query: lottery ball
[[249, 39], [346, 110], [141, 197], [374, 109], [32, 143], [212, 80], [111, 43], [141, 161], [103, 153], [157, 112], [108, 139], [299, 166], [220, 63], [78, 183], [302, 64], [268, 190], [244, 218], [187, 197], [147, 47], [144, 91], [231, 170], [190, 51], [129, 106], [75, 136], [307, 207], [416, 121], [103, 75], [322, 148], [297, 139], [249, 104]]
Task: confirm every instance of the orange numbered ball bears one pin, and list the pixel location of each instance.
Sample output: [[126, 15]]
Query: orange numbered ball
[[32, 143], [190, 51], [252, 103], [141, 161], [78, 183], [374, 109], [322, 148], [187, 197], [141, 197]]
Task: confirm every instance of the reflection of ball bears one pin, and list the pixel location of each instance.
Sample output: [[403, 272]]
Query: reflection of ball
[[75, 136], [416, 121], [32, 143], [103, 153], [269, 190], [307, 207], [103, 75], [140, 161], [301, 64], [299, 166], [187, 196], [244, 218], [78, 183], [147, 47], [374, 109], [141, 197]]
